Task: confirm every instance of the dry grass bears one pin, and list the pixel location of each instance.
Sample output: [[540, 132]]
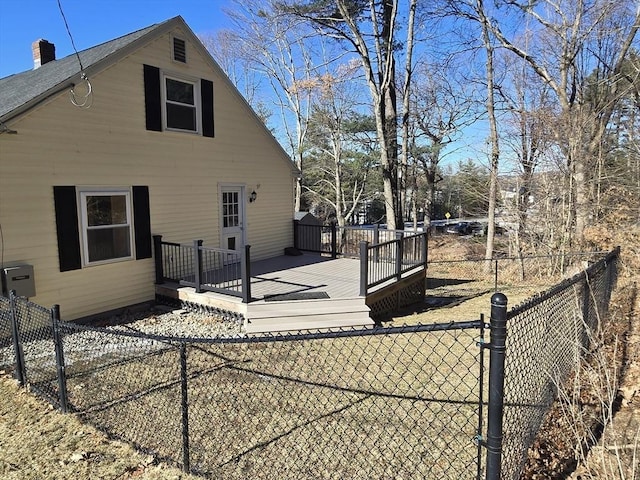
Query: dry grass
[[355, 407], [414, 420], [37, 442]]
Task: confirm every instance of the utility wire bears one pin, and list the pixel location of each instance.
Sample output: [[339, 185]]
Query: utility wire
[[88, 98], [73, 44]]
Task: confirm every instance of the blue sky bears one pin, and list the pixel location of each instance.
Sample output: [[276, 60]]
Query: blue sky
[[91, 22]]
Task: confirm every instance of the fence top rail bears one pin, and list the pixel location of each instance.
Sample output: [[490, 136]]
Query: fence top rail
[[523, 257], [283, 337], [567, 283]]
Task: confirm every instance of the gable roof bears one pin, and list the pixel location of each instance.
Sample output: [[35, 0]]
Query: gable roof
[[20, 91]]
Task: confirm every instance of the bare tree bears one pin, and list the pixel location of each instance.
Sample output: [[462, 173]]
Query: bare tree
[[370, 28], [574, 38], [340, 144], [442, 107], [224, 45], [277, 47]]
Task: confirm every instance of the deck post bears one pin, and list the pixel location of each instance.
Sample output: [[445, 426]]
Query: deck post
[[376, 241], [197, 265], [17, 341], [364, 268], [334, 241], [157, 257], [245, 265], [424, 252], [400, 240]]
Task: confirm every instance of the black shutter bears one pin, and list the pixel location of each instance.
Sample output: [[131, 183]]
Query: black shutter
[[66, 206], [152, 102], [142, 222], [206, 94]]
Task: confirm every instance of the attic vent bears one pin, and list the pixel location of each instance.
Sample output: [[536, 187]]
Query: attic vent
[[179, 50]]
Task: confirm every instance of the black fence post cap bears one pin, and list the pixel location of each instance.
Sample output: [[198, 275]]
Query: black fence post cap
[[499, 299]]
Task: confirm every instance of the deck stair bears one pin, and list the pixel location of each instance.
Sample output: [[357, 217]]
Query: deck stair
[[293, 315]]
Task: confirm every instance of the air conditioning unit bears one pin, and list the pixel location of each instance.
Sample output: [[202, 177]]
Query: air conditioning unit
[[19, 278]]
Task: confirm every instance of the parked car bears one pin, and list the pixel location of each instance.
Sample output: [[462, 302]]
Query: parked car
[[477, 228], [460, 228]]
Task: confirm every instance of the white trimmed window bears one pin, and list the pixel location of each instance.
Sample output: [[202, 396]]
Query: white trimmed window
[[106, 226], [181, 104]]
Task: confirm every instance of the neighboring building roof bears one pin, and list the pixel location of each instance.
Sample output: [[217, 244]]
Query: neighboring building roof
[[21, 89]]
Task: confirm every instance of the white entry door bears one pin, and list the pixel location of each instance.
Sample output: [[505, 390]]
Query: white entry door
[[232, 215]]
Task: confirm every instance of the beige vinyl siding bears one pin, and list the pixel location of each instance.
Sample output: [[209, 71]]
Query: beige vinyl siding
[[107, 145]]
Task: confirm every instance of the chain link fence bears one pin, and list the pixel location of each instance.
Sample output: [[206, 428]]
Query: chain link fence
[[471, 276], [547, 336], [396, 402]]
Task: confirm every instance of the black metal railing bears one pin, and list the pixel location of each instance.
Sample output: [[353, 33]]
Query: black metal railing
[[385, 255], [336, 241], [204, 268], [390, 260]]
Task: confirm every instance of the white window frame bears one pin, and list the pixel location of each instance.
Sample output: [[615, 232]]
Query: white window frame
[[85, 192], [196, 101]]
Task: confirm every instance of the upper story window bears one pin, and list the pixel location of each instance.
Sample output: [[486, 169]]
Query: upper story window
[[181, 106], [178, 103], [106, 226]]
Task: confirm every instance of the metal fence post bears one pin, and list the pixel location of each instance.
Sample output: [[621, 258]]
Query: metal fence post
[[197, 267], [497, 335], [17, 342], [60, 366], [245, 265], [157, 257], [364, 267], [186, 462]]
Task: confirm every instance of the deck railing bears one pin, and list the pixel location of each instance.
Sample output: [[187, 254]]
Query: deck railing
[[389, 261], [335, 240], [204, 268], [385, 255]]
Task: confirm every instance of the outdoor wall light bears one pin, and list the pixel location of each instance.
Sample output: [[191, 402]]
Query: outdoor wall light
[[253, 196]]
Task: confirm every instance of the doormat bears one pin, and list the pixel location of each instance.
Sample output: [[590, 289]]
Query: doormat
[[296, 296]]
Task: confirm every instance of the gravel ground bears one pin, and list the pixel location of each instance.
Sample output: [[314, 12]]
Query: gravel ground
[[170, 322]]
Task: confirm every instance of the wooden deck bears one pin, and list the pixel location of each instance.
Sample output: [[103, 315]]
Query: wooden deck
[[308, 275]]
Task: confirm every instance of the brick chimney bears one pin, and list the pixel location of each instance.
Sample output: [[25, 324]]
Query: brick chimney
[[43, 52]]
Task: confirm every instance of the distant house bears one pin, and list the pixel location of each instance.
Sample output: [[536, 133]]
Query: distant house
[[167, 145]]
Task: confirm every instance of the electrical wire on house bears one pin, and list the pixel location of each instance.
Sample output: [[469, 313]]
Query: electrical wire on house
[[84, 99]]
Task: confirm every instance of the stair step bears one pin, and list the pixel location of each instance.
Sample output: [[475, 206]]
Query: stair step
[[306, 308]]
